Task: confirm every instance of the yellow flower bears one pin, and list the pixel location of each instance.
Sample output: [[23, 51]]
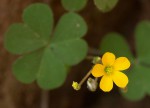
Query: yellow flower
[[109, 70]]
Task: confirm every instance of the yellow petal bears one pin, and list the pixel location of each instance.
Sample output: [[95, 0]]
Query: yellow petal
[[98, 70], [108, 59], [121, 63], [120, 79], [106, 83]]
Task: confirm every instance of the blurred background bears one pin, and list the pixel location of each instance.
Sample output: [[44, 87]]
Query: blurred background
[[122, 19]]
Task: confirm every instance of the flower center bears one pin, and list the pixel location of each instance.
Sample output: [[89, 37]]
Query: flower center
[[108, 69]]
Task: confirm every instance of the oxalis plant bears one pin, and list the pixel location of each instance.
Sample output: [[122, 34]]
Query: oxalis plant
[[44, 57]]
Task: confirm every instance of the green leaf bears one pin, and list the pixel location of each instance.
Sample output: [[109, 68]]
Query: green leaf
[[52, 72], [66, 42], [138, 85], [34, 33], [26, 67], [116, 44], [70, 52], [43, 66], [39, 18], [105, 5], [142, 36], [71, 26], [46, 59], [73, 5]]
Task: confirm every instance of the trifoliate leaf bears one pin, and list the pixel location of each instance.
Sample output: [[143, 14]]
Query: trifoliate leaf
[[52, 71], [138, 85], [71, 27], [72, 52], [115, 43], [105, 5], [34, 33], [42, 65], [138, 73], [26, 67], [142, 37], [74, 5], [46, 59], [40, 19]]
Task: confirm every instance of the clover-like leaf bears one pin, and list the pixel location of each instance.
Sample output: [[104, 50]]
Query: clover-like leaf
[[138, 85], [46, 57], [26, 67], [115, 43], [73, 5], [105, 5], [42, 65], [71, 27], [34, 33], [142, 36], [72, 52], [138, 74]]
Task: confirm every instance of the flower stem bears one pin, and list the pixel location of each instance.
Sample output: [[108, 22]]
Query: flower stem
[[93, 51], [45, 99], [89, 57], [96, 79], [85, 77]]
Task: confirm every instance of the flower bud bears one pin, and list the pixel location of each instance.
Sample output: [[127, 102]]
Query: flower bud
[[96, 60], [92, 84], [76, 86]]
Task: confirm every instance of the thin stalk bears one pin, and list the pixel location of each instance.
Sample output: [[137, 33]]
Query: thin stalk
[[85, 77], [45, 99]]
